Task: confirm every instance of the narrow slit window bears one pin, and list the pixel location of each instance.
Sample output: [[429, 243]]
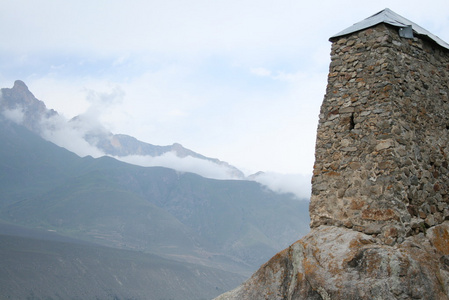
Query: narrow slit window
[[351, 122]]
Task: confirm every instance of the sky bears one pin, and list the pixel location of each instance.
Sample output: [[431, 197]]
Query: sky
[[241, 81]]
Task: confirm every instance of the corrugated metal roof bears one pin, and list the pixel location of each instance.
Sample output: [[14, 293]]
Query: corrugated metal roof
[[390, 17]]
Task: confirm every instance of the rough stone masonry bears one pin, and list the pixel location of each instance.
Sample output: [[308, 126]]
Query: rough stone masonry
[[383, 137]]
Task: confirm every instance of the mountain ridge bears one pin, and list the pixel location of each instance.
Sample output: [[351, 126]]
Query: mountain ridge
[[231, 224], [20, 99]]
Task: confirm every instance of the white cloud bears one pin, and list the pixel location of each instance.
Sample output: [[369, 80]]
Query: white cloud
[[15, 115], [103, 100], [252, 128], [57, 130], [65, 95], [259, 71], [297, 184], [187, 164], [70, 135], [251, 30]]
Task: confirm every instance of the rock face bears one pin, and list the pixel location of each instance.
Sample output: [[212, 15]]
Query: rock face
[[380, 189], [338, 263], [20, 99]]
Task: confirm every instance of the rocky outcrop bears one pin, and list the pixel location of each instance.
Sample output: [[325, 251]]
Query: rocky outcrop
[[339, 263], [380, 188], [20, 99]]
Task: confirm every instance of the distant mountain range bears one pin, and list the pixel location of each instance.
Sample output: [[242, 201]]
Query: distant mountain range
[[84, 227], [35, 116]]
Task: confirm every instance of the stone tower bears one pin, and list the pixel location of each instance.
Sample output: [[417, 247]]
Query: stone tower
[[379, 207], [381, 157]]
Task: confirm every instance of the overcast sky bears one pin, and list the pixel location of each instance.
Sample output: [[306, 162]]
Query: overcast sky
[[241, 81]]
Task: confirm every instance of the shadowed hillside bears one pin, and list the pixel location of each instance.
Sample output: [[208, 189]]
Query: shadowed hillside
[[180, 218], [49, 269]]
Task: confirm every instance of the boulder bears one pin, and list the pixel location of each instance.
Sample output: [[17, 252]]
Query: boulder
[[339, 263]]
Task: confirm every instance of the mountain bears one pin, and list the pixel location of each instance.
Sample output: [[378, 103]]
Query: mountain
[[103, 205], [19, 103], [22, 102], [231, 226], [121, 145]]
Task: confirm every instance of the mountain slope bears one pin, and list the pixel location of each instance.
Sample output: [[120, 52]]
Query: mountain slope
[[234, 224], [182, 218], [44, 269], [30, 165]]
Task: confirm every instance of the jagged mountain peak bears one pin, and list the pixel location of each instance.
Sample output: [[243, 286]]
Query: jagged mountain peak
[[20, 95], [20, 85], [21, 100]]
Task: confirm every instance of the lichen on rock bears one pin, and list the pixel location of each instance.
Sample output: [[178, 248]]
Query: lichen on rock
[[339, 263]]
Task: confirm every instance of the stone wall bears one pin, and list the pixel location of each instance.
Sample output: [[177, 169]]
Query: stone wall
[[383, 136]]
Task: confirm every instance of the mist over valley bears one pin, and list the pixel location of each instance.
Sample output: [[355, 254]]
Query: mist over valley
[[91, 225]]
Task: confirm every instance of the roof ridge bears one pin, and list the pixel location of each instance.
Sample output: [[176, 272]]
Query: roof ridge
[[389, 17]]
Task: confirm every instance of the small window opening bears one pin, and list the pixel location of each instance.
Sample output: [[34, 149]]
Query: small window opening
[[351, 122]]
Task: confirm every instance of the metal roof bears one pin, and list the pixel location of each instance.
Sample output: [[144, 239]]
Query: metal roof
[[390, 17]]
